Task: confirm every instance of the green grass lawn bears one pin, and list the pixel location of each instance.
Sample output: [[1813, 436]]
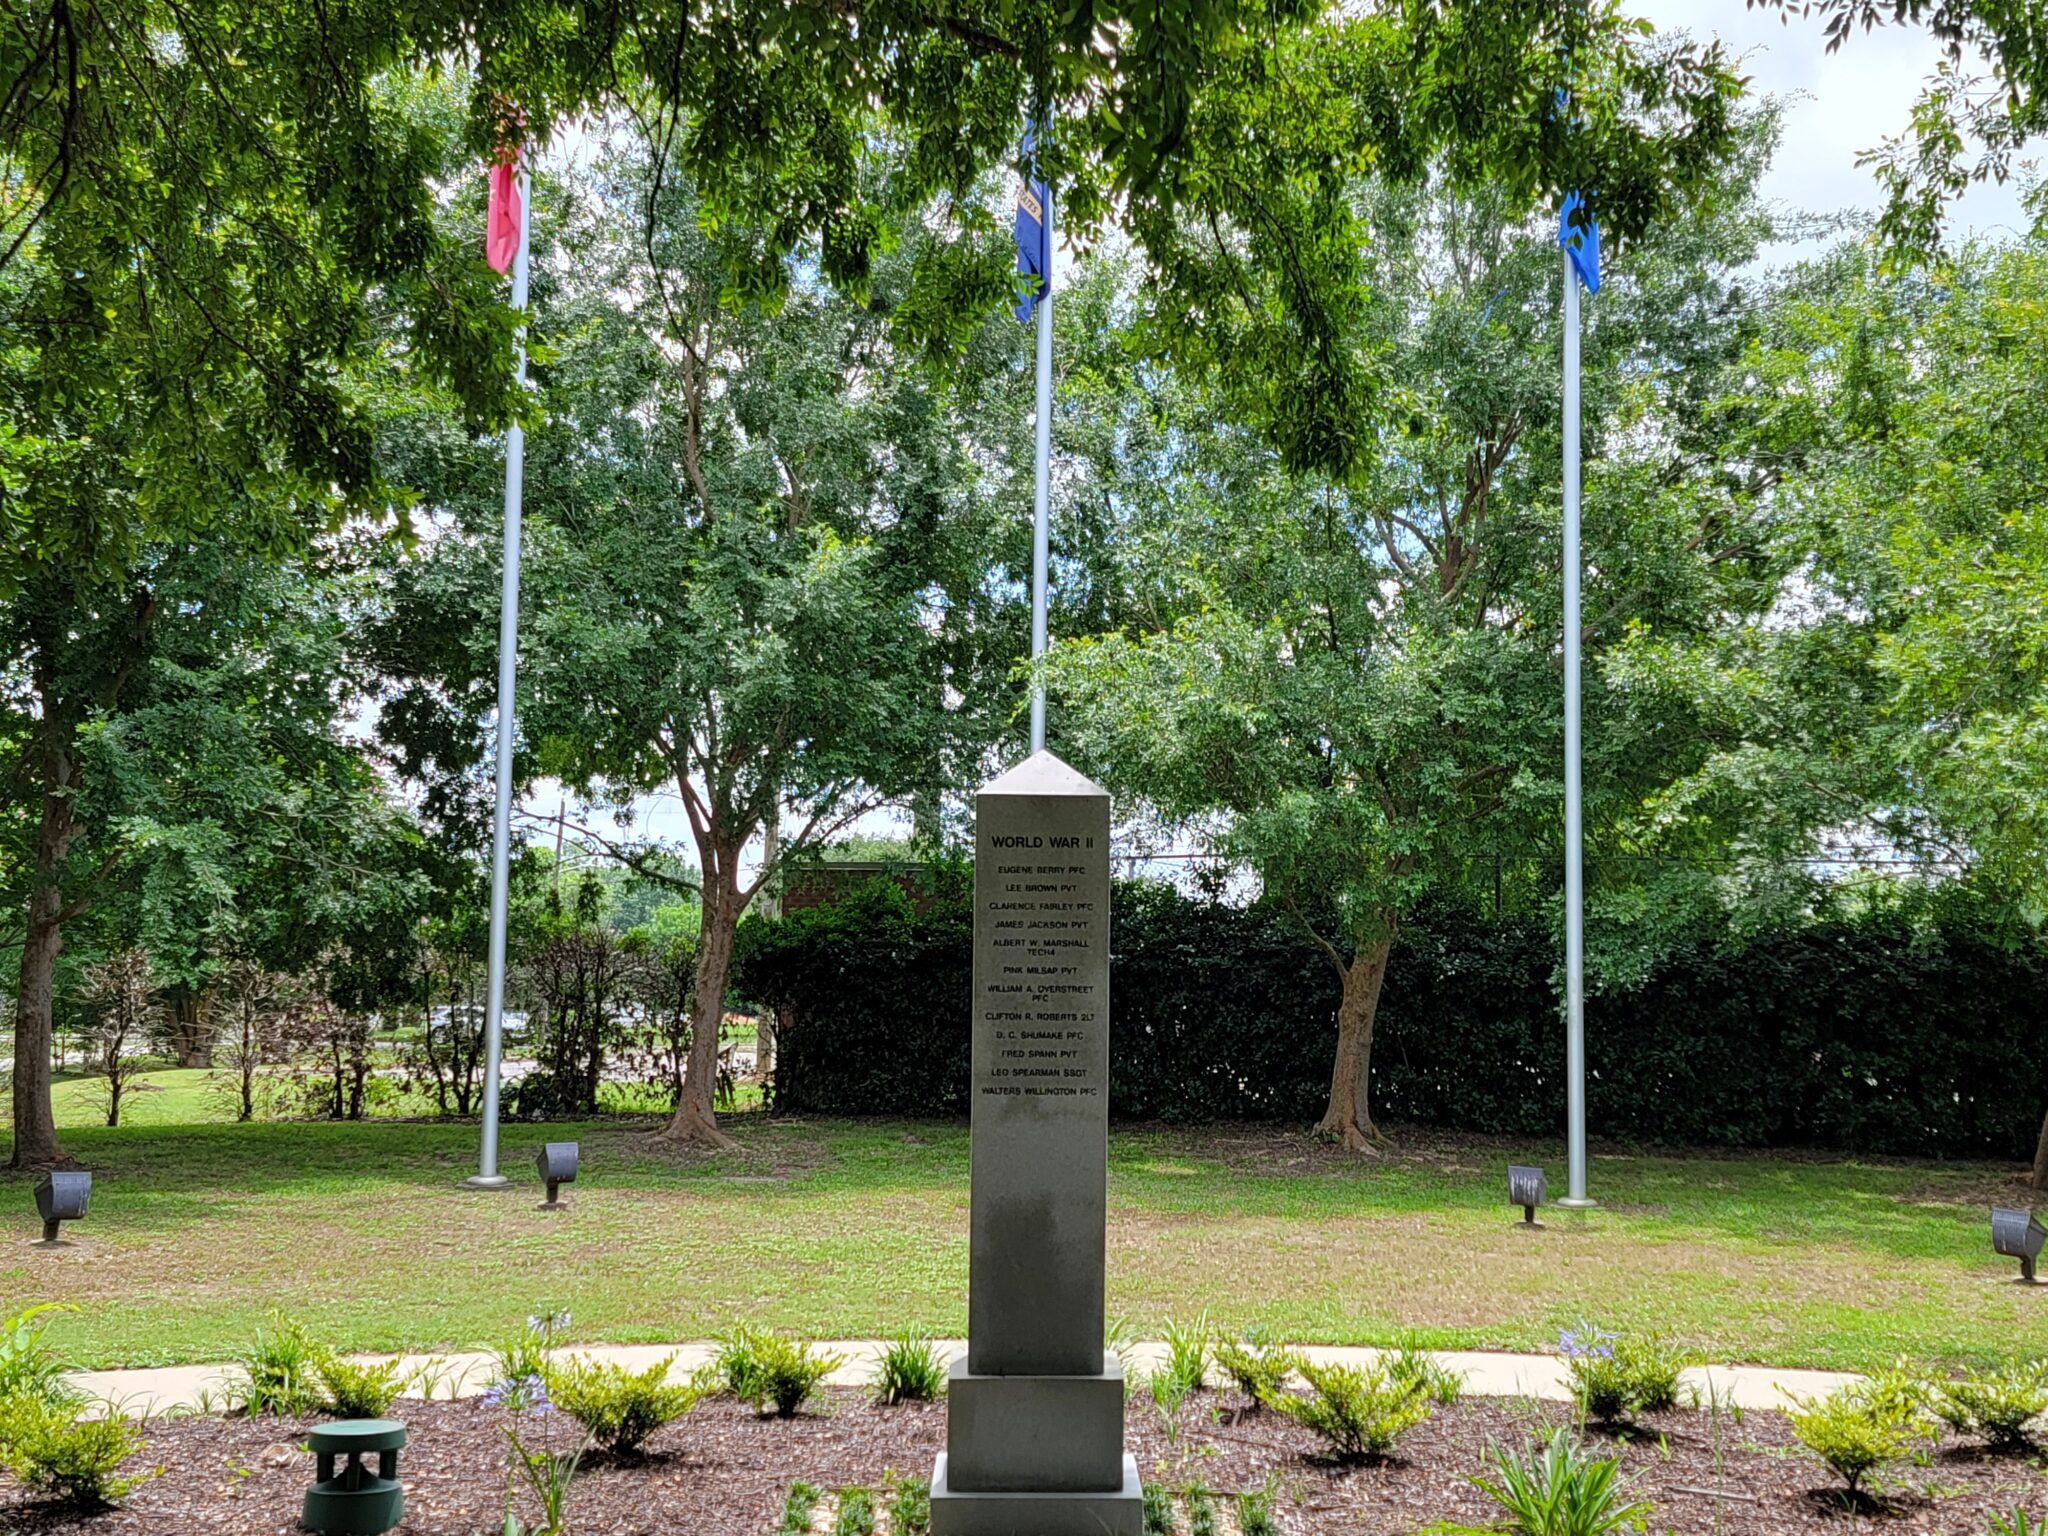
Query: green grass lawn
[[847, 1228], [191, 1096]]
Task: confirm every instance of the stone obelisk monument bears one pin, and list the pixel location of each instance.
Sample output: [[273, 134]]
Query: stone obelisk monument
[[1035, 1413]]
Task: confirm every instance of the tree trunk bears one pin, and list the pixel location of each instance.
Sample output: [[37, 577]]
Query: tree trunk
[[696, 1121], [191, 1029], [1348, 1120], [35, 1119], [766, 1036], [2041, 1159]]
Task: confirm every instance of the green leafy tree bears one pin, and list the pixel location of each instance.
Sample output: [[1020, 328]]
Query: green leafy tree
[[1351, 686], [738, 524], [184, 297], [1893, 708], [207, 801]]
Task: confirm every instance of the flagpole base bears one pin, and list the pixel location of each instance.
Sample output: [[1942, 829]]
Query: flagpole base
[[487, 1181], [1582, 1203]]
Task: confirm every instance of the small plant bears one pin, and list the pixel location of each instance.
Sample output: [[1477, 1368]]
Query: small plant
[[1996, 1407], [1201, 1508], [524, 1356], [359, 1391], [856, 1513], [1116, 1337], [77, 1461], [28, 1366], [2017, 1524], [281, 1370], [764, 1369], [1259, 1370], [797, 1509], [619, 1408], [1255, 1512], [911, 1370], [430, 1376], [548, 1471], [1187, 1354], [1169, 1395], [1158, 1511], [910, 1505], [1439, 1382], [1359, 1412], [1561, 1492], [1855, 1430]]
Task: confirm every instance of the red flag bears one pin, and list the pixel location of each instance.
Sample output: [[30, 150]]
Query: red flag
[[501, 222]]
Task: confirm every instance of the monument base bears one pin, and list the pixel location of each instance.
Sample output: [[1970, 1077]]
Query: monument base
[[1051, 1434], [1121, 1513]]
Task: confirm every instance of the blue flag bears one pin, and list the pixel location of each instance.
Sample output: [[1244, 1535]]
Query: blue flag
[[1582, 244], [1034, 248]]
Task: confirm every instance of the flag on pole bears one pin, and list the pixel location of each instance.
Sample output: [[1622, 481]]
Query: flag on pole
[[1583, 245], [1034, 243], [501, 219]]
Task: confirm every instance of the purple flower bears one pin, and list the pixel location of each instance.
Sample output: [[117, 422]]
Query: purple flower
[[1586, 1343], [526, 1394]]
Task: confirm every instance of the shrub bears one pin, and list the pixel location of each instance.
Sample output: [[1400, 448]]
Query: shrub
[[1723, 1042], [1259, 1370], [619, 1408], [45, 1444], [797, 1509], [1187, 1355], [911, 1370], [761, 1369], [1359, 1412], [28, 1366], [1996, 1407], [359, 1391], [281, 1370], [1854, 1430], [1439, 1383], [910, 1505], [1562, 1492], [1651, 1368], [1615, 1378]]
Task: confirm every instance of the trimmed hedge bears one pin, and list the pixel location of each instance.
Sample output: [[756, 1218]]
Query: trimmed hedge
[[1877, 1035]]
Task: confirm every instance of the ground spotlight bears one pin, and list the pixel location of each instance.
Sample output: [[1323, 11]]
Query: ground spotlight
[[1526, 1188], [2017, 1235], [61, 1197], [557, 1164]]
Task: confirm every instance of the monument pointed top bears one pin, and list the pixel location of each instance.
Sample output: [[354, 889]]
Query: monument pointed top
[[1043, 774]]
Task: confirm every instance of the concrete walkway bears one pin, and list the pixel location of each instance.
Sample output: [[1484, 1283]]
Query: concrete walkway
[[207, 1388]]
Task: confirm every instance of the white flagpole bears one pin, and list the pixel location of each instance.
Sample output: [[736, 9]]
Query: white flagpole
[[1574, 879], [487, 1175], [1041, 499]]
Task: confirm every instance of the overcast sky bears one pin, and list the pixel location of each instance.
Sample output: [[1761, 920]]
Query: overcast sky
[[1838, 105]]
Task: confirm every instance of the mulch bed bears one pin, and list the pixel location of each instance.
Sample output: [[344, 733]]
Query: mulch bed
[[721, 1472]]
